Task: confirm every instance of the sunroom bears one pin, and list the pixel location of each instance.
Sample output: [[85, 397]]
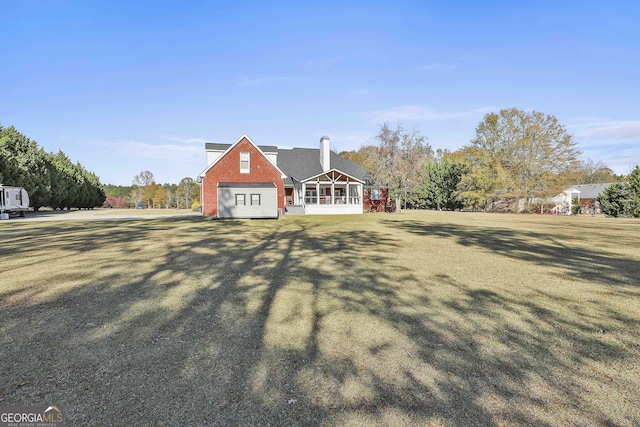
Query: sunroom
[[331, 192]]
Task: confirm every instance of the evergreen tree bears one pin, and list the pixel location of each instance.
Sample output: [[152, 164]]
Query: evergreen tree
[[622, 198], [437, 189], [50, 179], [613, 200], [634, 192]]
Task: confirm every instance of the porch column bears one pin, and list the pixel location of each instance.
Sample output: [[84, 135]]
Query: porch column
[[303, 195], [317, 192], [333, 193], [348, 201]]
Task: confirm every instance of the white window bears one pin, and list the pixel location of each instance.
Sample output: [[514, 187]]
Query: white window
[[255, 200], [244, 162], [375, 194], [240, 201]]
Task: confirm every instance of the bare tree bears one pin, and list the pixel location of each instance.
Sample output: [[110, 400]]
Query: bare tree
[[171, 196], [399, 158], [140, 182], [184, 192], [143, 179]]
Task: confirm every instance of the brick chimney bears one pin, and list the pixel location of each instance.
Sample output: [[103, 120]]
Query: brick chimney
[[325, 154]]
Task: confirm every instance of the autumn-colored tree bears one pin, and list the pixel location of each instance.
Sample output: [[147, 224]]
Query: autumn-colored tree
[[590, 172], [365, 156], [524, 154], [160, 197], [477, 185], [116, 202], [148, 193]]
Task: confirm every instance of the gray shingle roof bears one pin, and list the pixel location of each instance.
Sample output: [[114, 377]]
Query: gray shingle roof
[[590, 191], [216, 146], [303, 163], [348, 166], [246, 185], [222, 147]]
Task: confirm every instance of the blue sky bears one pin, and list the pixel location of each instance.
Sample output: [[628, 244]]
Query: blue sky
[[126, 86]]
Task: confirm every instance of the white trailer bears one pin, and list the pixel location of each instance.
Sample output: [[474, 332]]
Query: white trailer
[[13, 200]]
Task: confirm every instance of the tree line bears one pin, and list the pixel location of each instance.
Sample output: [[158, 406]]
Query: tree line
[[145, 192], [515, 162], [52, 180]]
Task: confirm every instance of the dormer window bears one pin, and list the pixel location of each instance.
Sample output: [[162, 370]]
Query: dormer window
[[244, 162]]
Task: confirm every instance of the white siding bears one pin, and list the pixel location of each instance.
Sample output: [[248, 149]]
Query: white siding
[[213, 155], [228, 198], [333, 209], [273, 157]]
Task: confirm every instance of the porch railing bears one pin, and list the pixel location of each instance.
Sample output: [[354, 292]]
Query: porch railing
[[327, 200]]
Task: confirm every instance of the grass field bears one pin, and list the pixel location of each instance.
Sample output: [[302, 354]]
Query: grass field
[[421, 318]]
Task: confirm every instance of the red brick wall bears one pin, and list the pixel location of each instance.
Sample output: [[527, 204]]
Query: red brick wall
[[228, 170], [381, 205]]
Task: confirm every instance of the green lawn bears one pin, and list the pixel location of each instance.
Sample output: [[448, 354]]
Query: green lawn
[[421, 318]]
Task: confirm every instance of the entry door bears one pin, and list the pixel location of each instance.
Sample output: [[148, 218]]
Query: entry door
[[288, 198]]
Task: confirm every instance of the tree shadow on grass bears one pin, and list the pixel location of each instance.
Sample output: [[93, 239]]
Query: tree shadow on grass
[[285, 323], [547, 248]]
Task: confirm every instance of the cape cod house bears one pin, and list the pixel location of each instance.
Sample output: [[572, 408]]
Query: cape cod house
[[245, 180]]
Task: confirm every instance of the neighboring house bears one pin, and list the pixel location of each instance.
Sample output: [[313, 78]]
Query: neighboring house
[[585, 194], [244, 180]]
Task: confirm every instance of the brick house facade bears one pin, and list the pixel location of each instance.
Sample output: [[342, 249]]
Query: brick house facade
[[234, 168], [244, 180]]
